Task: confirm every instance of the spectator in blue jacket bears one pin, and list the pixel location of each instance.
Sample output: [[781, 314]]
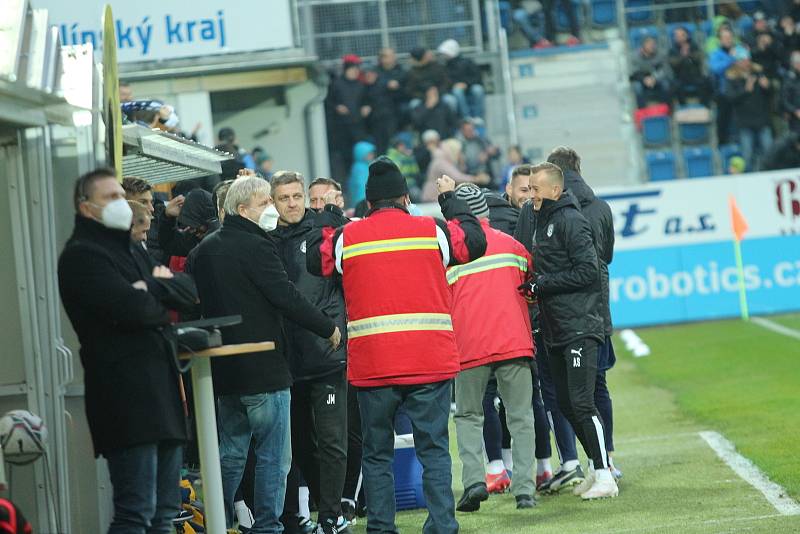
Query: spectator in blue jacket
[[363, 154], [719, 61]]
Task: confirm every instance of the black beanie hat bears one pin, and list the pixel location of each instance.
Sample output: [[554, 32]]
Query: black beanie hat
[[385, 180]]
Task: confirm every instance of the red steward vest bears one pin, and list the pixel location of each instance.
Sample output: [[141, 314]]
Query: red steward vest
[[490, 318], [398, 304]]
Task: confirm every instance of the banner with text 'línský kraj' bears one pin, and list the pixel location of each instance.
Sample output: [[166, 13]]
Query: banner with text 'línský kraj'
[[674, 258]]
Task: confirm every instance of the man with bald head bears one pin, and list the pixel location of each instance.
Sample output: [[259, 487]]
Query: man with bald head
[[566, 285]]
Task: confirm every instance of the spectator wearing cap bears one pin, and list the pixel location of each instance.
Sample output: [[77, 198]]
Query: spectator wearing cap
[[404, 364], [425, 73], [346, 97], [750, 94], [466, 78], [479, 152], [790, 93], [179, 233], [402, 154], [652, 76], [378, 109], [434, 114], [686, 61], [446, 161], [423, 152], [490, 283], [724, 57]]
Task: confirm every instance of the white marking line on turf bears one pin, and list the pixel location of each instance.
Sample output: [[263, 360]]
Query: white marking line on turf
[[775, 327], [751, 474]]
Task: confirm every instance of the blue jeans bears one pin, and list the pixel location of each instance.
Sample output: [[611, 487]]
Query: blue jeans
[[265, 418], [470, 100], [532, 26], [447, 98], [748, 139], [146, 481], [428, 407]]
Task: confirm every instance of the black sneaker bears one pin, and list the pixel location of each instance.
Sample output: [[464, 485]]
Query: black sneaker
[[563, 479], [525, 501], [472, 498]]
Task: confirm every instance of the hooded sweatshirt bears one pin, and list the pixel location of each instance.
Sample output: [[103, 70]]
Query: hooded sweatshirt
[[359, 172]]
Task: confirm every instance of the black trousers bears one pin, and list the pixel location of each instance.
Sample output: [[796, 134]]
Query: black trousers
[[319, 440], [353, 481], [574, 371]]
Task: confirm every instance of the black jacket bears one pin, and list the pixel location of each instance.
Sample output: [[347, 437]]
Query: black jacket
[[130, 376], [440, 117], [348, 93], [238, 271], [310, 356], [566, 271], [502, 215], [750, 108], [420, 77], [463, 70], [782, 154], [397, 73], [598, 213], [790, 98], [687, 69]]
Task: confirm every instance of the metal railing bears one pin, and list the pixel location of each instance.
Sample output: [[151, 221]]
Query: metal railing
[[330, 29]]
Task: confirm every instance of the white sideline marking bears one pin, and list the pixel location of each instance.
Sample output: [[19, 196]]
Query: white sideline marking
[[751, 474], [634, 343], [775, 327]]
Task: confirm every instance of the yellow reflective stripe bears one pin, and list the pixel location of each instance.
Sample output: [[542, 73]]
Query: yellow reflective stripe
[[486, 263], [390, 245], [401, 322]]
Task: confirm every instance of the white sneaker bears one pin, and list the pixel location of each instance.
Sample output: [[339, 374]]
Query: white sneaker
[[587, 483], [602, 489]]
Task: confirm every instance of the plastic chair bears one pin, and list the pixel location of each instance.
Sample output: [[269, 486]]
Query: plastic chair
[[660, 166], [604, 13], [639, 17], [656, 131], [637, 35], [562, 20], [699, 162]]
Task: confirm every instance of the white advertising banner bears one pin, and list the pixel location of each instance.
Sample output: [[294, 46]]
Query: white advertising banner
[[151, 30], [695, 211]]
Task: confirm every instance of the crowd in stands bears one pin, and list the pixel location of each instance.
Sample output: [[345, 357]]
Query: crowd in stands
[[744, 66]]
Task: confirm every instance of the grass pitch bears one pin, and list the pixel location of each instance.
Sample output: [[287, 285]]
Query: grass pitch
[[732, 377]]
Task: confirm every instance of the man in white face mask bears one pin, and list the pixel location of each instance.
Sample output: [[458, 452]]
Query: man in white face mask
[[117, 301], [238, 271]]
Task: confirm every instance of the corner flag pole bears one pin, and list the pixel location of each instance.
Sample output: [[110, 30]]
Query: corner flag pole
[[739, 226]]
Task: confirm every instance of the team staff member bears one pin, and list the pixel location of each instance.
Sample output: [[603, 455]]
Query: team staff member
[[490, 283], [567, 284], [401, 348], [319, 393], [317, 190]]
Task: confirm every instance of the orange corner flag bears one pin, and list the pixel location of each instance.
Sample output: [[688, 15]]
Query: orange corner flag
[[738, 222]]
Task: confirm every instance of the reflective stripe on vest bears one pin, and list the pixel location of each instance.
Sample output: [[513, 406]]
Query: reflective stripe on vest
[[390, 245], [401, 322], [486, 263]]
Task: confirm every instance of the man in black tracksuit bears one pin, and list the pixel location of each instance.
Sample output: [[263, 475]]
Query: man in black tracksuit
[[319, 393], [598, 213], [566, 283]]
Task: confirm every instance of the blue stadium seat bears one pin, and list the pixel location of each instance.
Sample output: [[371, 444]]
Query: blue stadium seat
[[660, 165], [726, 152], [694, 133], [639, 17], [691, 27], [749, 6], [744, 25], [637, 35], [505, 15], [604, 13], [708, 27], [699, 162], [656, 131], [562, 21]]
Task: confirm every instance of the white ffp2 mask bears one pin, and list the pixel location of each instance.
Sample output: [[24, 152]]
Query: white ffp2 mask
[[269, 218]]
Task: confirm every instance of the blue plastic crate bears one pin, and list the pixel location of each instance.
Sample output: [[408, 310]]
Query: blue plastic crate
[[699, 162], [407, 475], [660, 166]]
